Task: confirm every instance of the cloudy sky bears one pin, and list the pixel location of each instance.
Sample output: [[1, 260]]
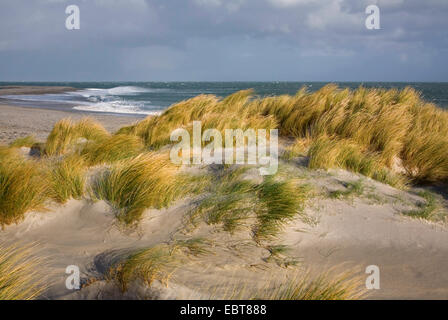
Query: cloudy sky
[[223, 40]]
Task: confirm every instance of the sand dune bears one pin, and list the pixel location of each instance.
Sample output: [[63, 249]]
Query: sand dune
[[347, 234]]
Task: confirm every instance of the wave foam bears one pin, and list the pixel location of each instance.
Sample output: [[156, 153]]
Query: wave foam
[[117, 91], [115, 108]]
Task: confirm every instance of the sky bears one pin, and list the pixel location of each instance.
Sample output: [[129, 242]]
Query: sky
[[224, 40]]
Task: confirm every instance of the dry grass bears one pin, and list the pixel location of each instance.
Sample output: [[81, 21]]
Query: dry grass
[[374, 127], [23, 187], [327, 152], [280, 202], [131, 186], [294, 284], [389, 135], [326, 286], [68, 178], [298, 148], [147, 265], [233, 112], [111, 149], [236, 203], [66, 134], [20, 278], [27, 141]]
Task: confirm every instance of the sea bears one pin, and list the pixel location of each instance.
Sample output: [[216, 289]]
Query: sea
[[146, 98]]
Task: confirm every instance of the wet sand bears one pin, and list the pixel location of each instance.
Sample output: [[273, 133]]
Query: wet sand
[[20, 121]]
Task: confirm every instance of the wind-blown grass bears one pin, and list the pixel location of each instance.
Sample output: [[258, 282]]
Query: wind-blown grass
[[66, 134], [68, 178], [295, 285], [27, 141], [147, 265], [392, 136], [156, 263], [131, 186], [233, 112], [281, 201], [114, 148], [372, 128], [298, 148], [327, 153], [427, 209], [23, 187], [230, 205], [325, 286], [20, 278], [235, 202], [352, 189]]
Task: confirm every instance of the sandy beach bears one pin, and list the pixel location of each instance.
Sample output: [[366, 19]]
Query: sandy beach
[[340, 221], [19, 90], [16, 122], [20, 121]]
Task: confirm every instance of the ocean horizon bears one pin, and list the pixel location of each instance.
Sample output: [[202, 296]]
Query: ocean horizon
[[146, 98]]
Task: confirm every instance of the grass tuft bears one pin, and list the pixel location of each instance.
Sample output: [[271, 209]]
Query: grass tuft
[[426, 209], [352, 189], [66, 134], [19, 274], [280, 201], [23, 187], [27, 141], [327, 152], [68, 179], [147, 265], [323, 287], [235, 202], [131, 186], [114, 148]]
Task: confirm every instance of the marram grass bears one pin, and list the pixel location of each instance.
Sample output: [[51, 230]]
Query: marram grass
[[235, 203], [66, 134], [392, 136], [24, 186], [113, 148], [147, 265], [378, 127], [325, 286], [281, 201], [329, 152], [20, 278], [68, 178], [131, 186], [295, 284], [27, 141]]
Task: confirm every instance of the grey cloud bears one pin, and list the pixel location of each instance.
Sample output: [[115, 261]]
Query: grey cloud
[[223, 40]]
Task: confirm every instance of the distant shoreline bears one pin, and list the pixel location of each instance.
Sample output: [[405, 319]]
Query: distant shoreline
[[17, 121], [7, 91], [17, 90]]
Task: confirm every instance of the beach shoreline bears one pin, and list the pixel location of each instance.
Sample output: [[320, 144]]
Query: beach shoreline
[[17, 121], [331, 211], [19, 90]]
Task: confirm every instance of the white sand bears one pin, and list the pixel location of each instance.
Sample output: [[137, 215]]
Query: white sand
[[412, 255]]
